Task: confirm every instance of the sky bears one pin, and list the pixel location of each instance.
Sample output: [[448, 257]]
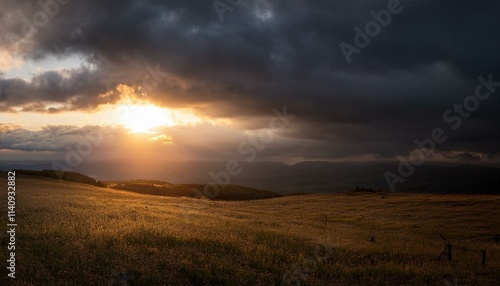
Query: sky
[[259, 80]]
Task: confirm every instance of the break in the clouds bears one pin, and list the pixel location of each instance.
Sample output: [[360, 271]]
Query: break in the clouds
[[265, 55]]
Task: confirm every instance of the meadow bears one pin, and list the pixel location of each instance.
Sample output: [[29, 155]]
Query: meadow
[[76, 234]]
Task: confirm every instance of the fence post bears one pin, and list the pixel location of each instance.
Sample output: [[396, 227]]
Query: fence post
[[449, 251]]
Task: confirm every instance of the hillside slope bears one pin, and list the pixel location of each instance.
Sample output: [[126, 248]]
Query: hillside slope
[[158, 188], [74, 234]]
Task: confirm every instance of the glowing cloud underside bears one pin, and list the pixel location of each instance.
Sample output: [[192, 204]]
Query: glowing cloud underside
[[144, 118]]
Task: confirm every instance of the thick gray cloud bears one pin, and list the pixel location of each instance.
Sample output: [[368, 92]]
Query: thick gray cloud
[[268, 54]]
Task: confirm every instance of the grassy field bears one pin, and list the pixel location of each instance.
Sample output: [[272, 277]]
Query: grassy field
[[75, 234]]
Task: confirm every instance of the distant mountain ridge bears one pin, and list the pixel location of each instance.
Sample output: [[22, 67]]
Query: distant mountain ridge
[[305, 177]]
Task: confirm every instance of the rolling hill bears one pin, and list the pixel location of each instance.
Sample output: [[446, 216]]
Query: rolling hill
[[159, 188]]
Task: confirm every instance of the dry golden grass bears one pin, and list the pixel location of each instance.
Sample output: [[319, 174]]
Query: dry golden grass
[[73, 234]]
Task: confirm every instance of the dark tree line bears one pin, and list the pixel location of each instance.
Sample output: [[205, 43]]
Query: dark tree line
[[62, 175]]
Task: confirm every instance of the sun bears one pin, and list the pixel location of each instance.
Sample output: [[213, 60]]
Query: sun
[[144, 118]]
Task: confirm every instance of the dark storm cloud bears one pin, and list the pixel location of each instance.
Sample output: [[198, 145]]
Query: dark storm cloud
[[268, 54], [74, 88]]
